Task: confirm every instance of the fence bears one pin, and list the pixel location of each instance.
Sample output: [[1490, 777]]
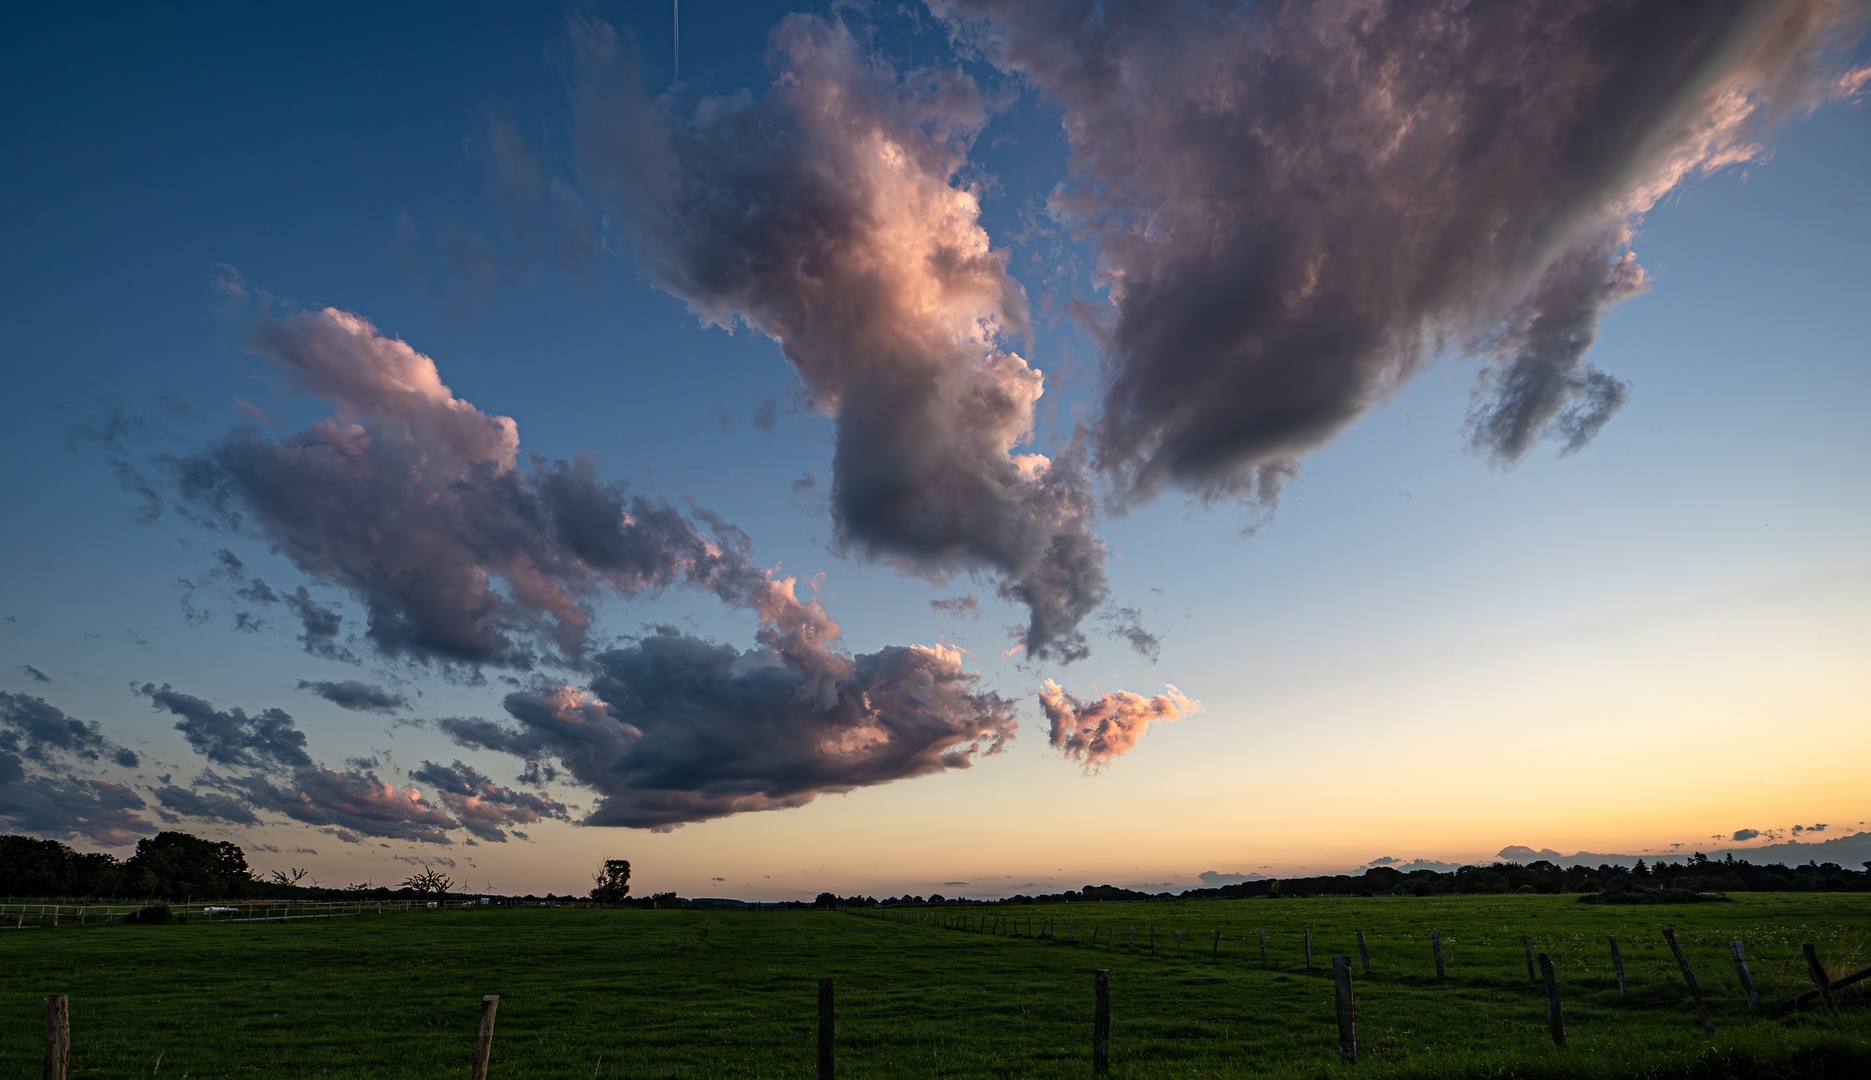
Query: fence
[[36, 914], [1056, 1013]]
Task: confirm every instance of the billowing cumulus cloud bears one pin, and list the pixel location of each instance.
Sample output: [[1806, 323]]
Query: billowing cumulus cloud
[[414, 502], [1745, 834], [206, 805], [1299, 206], [676, 729], [483, 806], [826, 215], [1098, 732], [357, 696]]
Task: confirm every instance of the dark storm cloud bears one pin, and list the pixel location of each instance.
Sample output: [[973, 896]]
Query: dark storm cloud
[[414, 502], [1299, 206], [33, 673], [207, 805], [483, 806], [267, 740], [69, 806], [675, 729], [357, 696], [1745, 834], [825, 216], [40, 747], [41, 733]]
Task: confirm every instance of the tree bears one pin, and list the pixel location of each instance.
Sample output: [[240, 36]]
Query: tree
[[288, 877], [430, 881], [175, 865], [613, 878]]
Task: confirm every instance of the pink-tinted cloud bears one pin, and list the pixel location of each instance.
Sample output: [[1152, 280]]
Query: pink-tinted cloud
[[415, 502], [676, 729], [827, 215], [1300, 206], [1098, 732], [483, 807]]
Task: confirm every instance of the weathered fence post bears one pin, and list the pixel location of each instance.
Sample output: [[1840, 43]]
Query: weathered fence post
[[1215, 953], [1555, 1020], [1178, 944], [1820, 979], [1435, 945], [1747, 977], [1347, 1025], [1101, 1022], [1308, 948], [826, 1029], [1132, 943], [1364, 953], [1071, 929], [1617, 961], [1695, 992], [57, 1036], [1528, 943], [484, 1043], [1263, 948]]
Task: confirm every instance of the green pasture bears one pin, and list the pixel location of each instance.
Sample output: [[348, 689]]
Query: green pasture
[[921, 992]]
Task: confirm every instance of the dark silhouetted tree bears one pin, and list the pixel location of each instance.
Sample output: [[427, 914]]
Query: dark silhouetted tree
[[613, 880]]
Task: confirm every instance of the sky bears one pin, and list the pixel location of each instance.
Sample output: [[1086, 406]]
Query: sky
[[968, 447]]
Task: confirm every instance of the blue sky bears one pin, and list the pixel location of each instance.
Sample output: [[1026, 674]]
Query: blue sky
[[1661, 635]]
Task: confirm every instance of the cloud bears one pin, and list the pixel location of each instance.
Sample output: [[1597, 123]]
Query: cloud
[[414, 502], [1298, 209], [268, 740], [676, 729], [42, 734], [350, 804], [956, 607], [69, 807], [826, 215], [33, 673], [1099, 732], [1745, 834], [482, 805], [766, 414], [1126, 624], [39, 793], [356, 696], [206, 805], [1386, 860], [1215, 879]]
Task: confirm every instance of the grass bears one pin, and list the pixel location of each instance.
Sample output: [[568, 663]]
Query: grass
[[588, 993]]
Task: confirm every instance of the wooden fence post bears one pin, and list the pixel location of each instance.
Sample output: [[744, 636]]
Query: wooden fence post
[[1820, 979], [1695, 992], [826, 1029], [1308, 948], [1347, 1025], [1101, 1022], [1215, 953], [1555, 1020], [1132, 942], [1263, 948], [1435, 945], [1528, 943], [1747, 977], [1178, 944], [57, 1036], [1364, 953], [1617, 961], [1071, 929], [484, 1043]]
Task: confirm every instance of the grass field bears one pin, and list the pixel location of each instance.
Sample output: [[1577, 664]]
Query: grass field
[[632, 993]]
